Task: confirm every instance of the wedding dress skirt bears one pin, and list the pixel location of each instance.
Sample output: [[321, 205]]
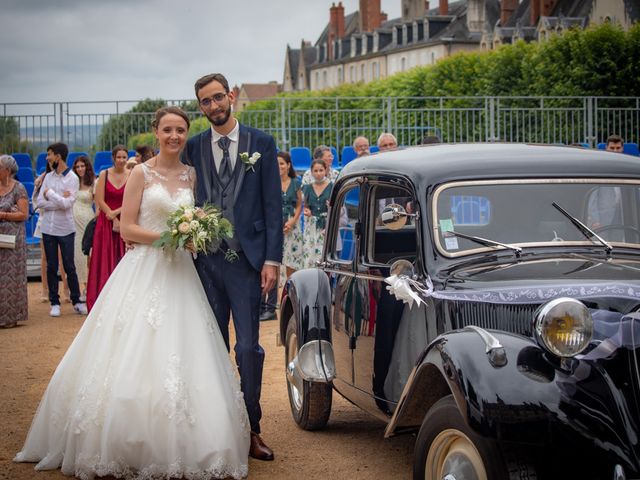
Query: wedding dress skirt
[[147, 389]]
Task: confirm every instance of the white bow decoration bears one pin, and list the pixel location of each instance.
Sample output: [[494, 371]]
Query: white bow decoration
[[400, 288]]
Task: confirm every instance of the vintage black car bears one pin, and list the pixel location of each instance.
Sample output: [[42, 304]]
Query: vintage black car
[[486, 297]]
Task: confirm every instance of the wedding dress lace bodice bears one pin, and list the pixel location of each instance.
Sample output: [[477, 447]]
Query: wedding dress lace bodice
[[163, 195]]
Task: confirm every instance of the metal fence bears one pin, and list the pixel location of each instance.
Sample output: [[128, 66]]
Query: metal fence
[[336, 121]]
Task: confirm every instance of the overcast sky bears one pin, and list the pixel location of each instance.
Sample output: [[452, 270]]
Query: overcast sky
[[81, 50]]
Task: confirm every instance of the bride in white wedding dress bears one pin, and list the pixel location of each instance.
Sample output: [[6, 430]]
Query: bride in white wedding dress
[[147, 389]]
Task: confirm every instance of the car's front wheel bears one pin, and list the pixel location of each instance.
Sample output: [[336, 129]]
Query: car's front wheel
[[447, 447], [310, 401]]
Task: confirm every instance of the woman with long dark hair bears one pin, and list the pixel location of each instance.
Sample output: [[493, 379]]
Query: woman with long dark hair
[[83, 213], [108, 247], [291, 209]]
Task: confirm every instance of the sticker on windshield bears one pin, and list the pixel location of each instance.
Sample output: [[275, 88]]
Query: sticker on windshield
[[446, 225]]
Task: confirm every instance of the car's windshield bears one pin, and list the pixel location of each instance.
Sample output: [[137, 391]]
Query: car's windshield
[[521, 212]]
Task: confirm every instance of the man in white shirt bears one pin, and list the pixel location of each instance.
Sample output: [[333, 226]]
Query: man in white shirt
[[55, 201]]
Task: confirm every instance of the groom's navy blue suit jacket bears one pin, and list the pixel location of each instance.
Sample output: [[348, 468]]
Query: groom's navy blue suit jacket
[[258, 205]]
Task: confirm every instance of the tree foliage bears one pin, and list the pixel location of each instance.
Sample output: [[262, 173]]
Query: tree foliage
[[10, 136], [598, 61], [118, 129]]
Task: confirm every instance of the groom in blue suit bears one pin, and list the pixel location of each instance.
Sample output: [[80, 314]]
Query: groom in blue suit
[[249, 194]]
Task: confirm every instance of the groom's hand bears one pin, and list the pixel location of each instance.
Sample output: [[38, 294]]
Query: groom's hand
[[268, 278]]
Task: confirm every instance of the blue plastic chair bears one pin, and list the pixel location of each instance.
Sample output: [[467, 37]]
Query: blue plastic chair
[[41, 162], [602, 146], [336, 160], [631, 149], [101, 161], [300, 158], [30, 226], [348, 154], [25, 174], [29, 187], [470, 210], [73, 155], [132, 153], [23, 159], [348, 245], [374, 149], [353, 197]]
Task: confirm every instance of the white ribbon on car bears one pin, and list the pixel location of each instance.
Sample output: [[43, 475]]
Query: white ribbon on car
[[406, 289], [402, 287]]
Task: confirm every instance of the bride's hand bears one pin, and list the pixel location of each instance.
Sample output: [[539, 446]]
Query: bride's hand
[[189, 246]]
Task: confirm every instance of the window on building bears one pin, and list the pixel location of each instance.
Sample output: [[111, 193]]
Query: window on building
[[352, 74], [403, 64], [324, 79], [340, 75], [375, 70], [362, 72]]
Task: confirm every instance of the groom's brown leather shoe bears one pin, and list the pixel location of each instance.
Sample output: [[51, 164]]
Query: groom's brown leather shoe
[[258, 449]]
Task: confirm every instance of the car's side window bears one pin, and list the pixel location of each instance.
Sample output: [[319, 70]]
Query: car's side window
[[342, 247], [384, 245]]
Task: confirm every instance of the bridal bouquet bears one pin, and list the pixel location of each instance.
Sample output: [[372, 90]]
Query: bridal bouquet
[[199, 229]]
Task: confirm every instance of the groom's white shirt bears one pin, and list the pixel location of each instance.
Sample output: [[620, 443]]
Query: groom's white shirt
[[234, 136]]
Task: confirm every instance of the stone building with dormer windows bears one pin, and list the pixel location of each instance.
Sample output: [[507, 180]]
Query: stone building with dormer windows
[[364, 45]]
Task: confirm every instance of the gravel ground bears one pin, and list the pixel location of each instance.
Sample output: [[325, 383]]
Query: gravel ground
[[351, 446]]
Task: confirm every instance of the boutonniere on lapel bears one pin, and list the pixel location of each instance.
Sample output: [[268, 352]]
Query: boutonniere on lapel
[[250, 161]]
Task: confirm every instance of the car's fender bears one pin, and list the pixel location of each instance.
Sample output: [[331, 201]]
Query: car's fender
[[484, 377], [307, 295], [516, 393], [474, 365]]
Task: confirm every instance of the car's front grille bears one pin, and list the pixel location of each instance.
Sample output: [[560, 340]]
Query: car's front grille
[[514, 318]]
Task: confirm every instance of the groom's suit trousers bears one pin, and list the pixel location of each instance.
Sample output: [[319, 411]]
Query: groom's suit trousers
[[235, 286]]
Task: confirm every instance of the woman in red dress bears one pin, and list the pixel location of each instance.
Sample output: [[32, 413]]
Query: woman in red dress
[[107, 248]]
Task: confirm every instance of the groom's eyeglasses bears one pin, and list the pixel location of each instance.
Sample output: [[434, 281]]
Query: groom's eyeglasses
[[218, 98]]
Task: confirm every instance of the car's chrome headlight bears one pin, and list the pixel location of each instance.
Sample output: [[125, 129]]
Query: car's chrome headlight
[[564, 327]]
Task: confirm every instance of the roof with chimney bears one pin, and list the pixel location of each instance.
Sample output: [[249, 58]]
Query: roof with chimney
[[350, 27], [258, 91], [450, 28], [398, 34], [566, 9]]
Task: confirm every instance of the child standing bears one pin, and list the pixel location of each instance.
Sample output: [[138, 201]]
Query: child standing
[[316, 201]]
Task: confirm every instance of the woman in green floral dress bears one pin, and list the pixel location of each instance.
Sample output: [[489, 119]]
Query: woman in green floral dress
[[316, 198], [291, 209]]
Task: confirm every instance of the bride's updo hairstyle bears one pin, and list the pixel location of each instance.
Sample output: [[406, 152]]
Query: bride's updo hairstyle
[[161, 112]]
